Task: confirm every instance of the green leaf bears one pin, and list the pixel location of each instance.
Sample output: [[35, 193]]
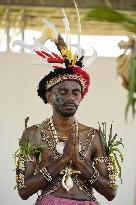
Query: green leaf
[[112, 140], [119, 168], [113, 164], [29, 150], [117, 143], [105, 14], [132, 87], [115, 149], [112, 16], [103, 137]]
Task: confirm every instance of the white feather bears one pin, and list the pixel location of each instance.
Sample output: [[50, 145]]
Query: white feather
[[88, 62], [67, 27], [78, 49], [23, 44], [48, 32], [79, 24], [39, 46], [35, 46]]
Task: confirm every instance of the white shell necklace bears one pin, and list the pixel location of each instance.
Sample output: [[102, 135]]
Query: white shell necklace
[[59, 144], [67, 181]]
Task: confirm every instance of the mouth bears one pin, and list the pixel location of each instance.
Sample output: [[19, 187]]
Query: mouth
[[70, 105]]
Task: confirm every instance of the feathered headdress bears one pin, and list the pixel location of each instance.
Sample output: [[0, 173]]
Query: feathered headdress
[[67, 65]]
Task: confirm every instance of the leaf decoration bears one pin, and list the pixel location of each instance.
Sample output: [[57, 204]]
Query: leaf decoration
[[112, 149], [29, 150], [113, 16], [132, 88]]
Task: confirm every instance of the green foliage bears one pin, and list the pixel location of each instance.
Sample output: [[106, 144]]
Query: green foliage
[[132, 87], [112, 16], [112, 150], [28, 151]]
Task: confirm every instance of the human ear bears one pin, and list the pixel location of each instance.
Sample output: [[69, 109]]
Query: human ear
[[48, 96]]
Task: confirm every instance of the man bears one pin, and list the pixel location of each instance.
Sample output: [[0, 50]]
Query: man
[[62, 157], [65, 98]]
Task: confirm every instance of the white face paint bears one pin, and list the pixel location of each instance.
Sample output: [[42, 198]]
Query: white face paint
[[66, 97]]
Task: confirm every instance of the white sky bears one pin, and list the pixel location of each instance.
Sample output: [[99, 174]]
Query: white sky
[[104, 45]]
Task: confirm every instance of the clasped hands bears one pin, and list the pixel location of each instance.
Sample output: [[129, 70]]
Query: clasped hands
[[71, 149]]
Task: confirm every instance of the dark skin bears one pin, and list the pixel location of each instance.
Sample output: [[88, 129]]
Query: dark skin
[[65, 98]]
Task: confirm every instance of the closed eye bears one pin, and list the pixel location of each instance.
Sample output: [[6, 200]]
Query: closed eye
[[76, 92]]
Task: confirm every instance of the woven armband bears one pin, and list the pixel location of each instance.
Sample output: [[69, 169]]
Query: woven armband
[[46, 174], [20, 173], [101, 160], [112, 177]]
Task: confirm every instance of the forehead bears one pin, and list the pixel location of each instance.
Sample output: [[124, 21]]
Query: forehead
[[68, 84]]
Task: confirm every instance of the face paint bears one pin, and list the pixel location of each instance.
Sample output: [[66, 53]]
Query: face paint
[[66, 97]]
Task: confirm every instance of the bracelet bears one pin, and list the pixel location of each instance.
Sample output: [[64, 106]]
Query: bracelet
[[95, 176], [46, 174], [100, 160]]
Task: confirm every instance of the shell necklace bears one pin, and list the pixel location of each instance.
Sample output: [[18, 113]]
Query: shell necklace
[[58, 143], [67, 182]]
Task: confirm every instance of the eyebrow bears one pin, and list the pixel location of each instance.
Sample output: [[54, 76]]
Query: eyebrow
[[65, 89], [76, 89]]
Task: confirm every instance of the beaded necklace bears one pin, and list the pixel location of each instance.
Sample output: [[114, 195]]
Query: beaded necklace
[[67, 181], [57, 142]]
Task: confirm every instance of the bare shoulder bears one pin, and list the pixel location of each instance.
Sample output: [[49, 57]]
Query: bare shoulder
[[85, 128], [28, 134]]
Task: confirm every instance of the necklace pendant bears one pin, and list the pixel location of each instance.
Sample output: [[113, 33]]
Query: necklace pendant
[[60, 147], [67, 181]]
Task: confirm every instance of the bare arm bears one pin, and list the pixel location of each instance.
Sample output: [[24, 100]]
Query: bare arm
[[34, 183], [102, 184]]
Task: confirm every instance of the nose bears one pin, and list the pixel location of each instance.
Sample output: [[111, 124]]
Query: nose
[[70, 96]]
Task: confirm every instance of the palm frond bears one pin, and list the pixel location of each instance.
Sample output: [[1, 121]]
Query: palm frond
[[113, 151], [112, 16], [119, 172], [132, 88], [28, 151]]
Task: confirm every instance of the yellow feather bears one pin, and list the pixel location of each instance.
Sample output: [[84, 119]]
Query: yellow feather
[[63, 52], [70, 56], [74, 60]]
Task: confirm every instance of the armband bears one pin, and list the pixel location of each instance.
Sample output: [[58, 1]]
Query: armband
[[20, 173], [101, 160]]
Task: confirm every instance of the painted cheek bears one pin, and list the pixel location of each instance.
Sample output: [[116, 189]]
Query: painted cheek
[[59, 100]]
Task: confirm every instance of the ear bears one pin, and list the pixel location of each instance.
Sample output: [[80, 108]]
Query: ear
[[48, 95]]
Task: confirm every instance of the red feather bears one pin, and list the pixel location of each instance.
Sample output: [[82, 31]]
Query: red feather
[[40, 54], [49, 57], [85, 76], [46, 54]]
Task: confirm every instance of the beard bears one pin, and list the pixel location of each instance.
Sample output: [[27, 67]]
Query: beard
[[64, 111], [67, 114]]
